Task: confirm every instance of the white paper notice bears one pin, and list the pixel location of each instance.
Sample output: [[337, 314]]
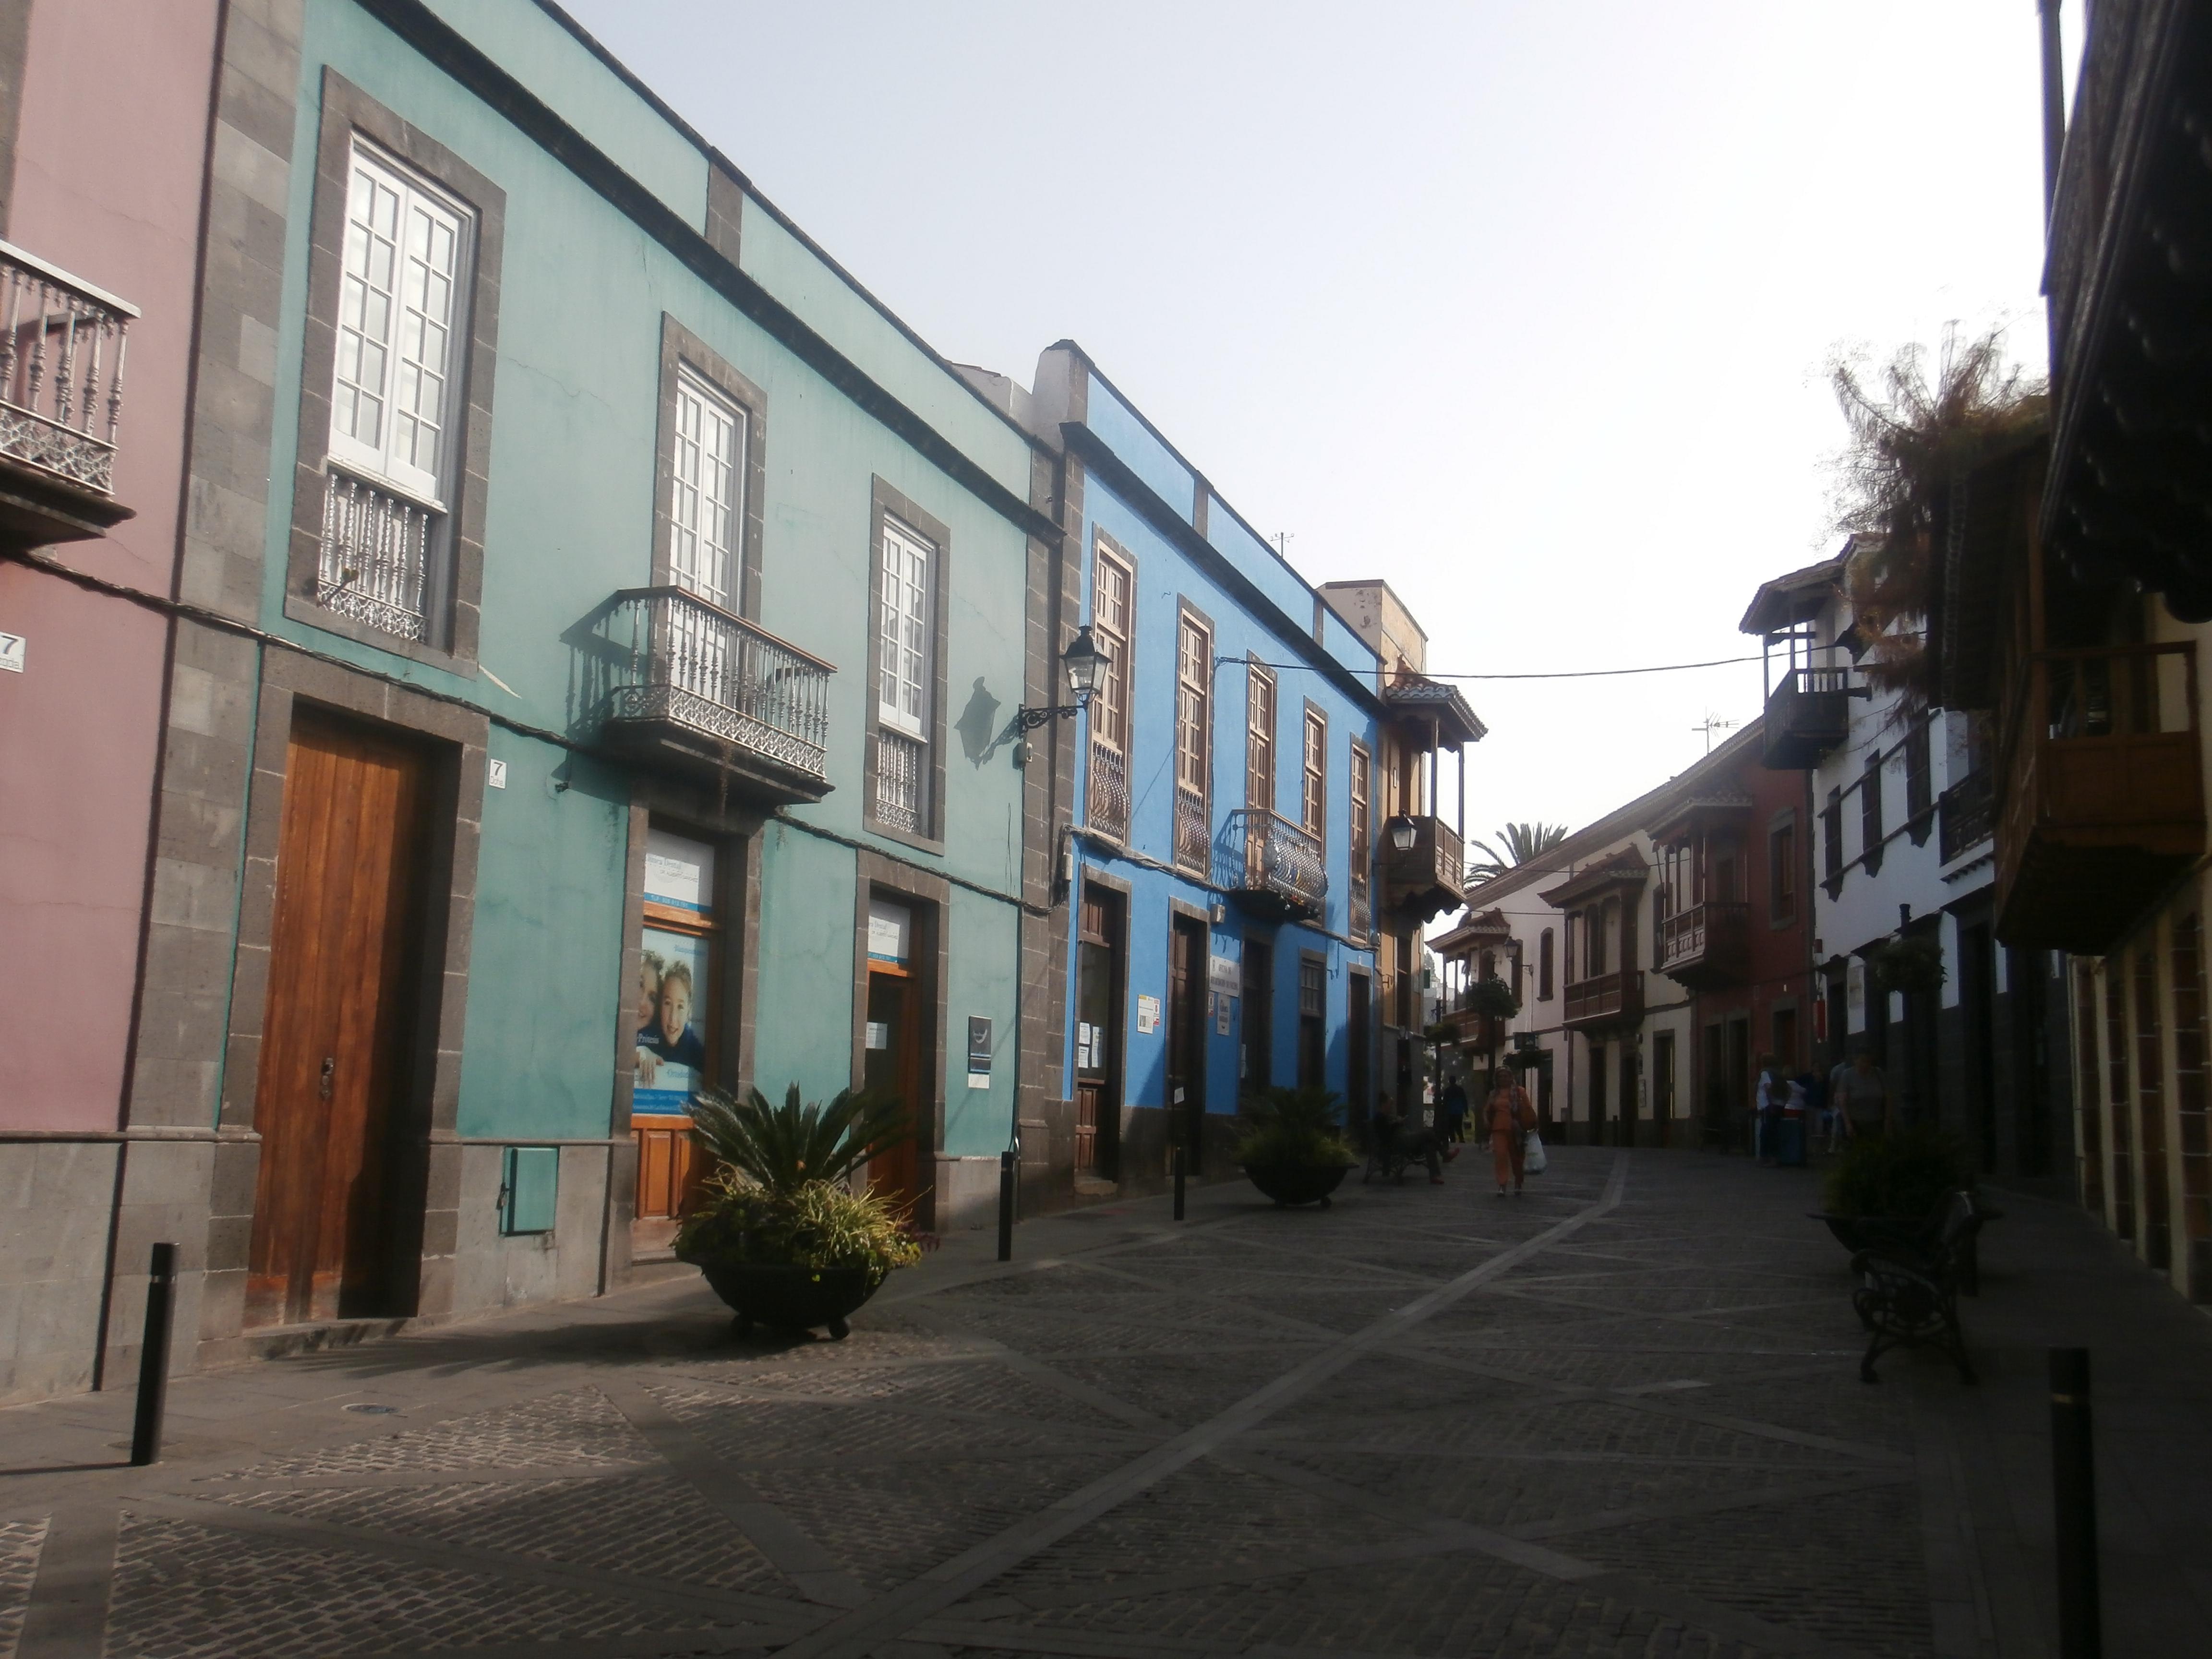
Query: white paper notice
[[1148, 1016]]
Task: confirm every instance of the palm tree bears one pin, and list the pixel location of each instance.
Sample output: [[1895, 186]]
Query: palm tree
[[1520, 841]]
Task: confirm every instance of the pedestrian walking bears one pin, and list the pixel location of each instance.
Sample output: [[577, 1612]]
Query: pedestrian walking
[[1774, 1090], [1864, 1095], [1508, 1116], [1454, 1109]]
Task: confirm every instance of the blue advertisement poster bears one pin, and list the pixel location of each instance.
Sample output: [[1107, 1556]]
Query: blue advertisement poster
[[671, 1049]]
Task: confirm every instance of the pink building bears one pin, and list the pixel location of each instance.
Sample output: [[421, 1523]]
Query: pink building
[[105, 120]]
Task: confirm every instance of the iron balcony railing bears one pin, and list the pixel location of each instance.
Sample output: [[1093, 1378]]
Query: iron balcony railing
[[1966, 815], [375, 562], [1359, 910], [900, 781], [1269, 854], [697, 666], [61, 371], [1109, 790], [1193, 837]]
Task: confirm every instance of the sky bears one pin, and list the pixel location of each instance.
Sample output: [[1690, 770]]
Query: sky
[[1525, 307]]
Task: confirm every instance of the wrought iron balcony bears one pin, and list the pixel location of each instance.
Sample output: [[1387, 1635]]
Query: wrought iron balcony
[[2104, 801], [61, 403], [1359, 909], [1193, 835], [711, 694], [1708, 945], [1966, 815], [375, 562], [1808, 714], [1108, 808], [1271, 868], [1603, 1000], [1429, 877]]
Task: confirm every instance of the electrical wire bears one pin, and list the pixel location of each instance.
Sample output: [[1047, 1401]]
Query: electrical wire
[[1555, 674]]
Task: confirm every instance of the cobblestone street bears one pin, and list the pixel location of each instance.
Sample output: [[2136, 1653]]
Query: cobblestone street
[[1619, 1416]]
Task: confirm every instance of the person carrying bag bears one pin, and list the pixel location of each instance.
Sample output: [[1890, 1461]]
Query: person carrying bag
[[1510, 1120]]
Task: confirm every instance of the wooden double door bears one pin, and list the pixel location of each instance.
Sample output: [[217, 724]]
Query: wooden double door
[[1101, 973], [345, 943]]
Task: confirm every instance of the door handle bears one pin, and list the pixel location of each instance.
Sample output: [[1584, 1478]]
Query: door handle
[[330, 1066]]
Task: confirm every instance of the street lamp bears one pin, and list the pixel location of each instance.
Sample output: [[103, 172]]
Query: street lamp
[[1403, 831], [1086, 672]]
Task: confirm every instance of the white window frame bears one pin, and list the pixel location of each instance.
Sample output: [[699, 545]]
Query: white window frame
[[905, 630], [706, 483], [387, 370]]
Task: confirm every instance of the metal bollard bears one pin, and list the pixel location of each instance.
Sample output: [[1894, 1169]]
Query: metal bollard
[[1007, 1172], [1174, 1167], [2073, 1486], [154, 1358]]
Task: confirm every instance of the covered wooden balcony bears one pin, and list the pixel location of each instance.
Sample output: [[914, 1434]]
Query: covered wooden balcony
[[1808, 714], [699, 690], [1428, 877], [1604, 1001], [2104, 797], [1708, 945]]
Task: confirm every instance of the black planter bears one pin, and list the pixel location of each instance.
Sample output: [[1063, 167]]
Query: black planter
[[791, 1298], [1297, 1183]]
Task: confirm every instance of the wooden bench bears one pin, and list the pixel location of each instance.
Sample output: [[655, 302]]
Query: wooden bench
[[1908, 1293]]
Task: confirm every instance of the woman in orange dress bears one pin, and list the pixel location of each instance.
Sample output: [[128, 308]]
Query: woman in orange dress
[[1508, 1116]]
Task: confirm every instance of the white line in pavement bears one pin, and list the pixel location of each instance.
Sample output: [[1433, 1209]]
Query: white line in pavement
[[863, 1630]]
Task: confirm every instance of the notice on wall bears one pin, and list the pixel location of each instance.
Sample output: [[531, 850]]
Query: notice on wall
[[12, 649], [1221, 1005], [1148, 1016], [1087, 1055], [1223, 974], [679, 873], [979, 1051], [671, 1044], [879, 1034], [890, 932]]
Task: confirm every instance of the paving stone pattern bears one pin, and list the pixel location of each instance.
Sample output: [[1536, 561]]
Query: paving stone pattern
[[1619, 1416]]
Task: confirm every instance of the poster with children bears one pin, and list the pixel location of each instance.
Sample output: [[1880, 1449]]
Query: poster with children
[[671, 998]]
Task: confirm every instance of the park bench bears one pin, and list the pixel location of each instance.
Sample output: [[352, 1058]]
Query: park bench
[[1909, 1285]]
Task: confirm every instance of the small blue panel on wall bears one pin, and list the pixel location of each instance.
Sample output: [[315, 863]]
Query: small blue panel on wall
[[530, 1188]]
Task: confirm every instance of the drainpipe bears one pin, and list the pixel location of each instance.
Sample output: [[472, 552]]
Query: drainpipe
[[2054, 105]]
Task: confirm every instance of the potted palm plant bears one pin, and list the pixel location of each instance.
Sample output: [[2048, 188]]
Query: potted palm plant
[[1293, 1148], [782, 1237]]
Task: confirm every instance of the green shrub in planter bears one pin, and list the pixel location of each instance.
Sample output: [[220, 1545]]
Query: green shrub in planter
[[1902, 1175], [782, 1237], [1294, 1127]]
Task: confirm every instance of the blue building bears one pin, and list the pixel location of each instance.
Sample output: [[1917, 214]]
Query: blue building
[[1215, 814]]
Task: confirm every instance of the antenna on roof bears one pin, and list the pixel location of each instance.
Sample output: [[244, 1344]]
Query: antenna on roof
[[1710, 724], [1282, 539]]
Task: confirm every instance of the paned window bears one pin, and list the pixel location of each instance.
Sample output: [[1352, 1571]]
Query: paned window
[[1870, 814], [1313, 800], [1110, 587], [1782, 872], [1832, 841], [1259, 739], [391, 401], [1544, 953], [902, 674], [706, 509], [1920, 786], [1194, 809]]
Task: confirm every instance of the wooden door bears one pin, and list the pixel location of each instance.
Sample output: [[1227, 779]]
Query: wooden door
[[1098, 1016], [342, 991], [1357, 1084], [1662, 1085], [1187, 1038], [892, 1065], [1259, 983]]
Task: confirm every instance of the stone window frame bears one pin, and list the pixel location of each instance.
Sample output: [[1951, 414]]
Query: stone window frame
[[681, 347], [454, 584], [884, 502]]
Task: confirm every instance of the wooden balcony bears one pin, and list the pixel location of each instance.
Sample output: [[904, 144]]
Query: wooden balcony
[[700, 690], [1708, 946], [1605, 1000], [1477, 1033], [1808, 714], [1271, 868], [2104, 797], [1428, 879], [61, 403]]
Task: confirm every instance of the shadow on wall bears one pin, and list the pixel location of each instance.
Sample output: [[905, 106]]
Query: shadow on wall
[[979, 735]]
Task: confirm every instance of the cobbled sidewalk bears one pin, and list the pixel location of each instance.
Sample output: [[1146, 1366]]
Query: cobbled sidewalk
[[1619, 1416]]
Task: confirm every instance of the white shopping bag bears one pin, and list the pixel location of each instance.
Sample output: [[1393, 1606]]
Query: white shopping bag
[[1536, 1161]]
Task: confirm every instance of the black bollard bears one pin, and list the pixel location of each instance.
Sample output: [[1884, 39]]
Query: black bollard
[[154, 1358], [1174, 1167], [2073, 1486], [1007, 1170]]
